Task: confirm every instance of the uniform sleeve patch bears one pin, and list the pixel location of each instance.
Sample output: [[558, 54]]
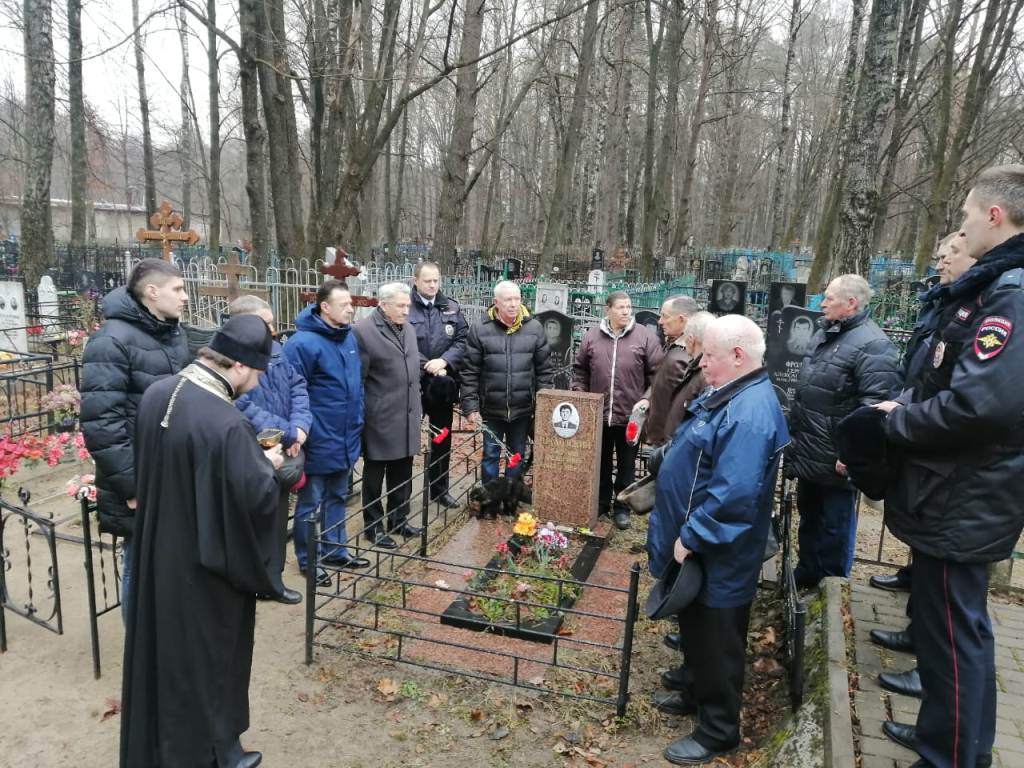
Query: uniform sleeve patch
[[964, 313], [993, 333]]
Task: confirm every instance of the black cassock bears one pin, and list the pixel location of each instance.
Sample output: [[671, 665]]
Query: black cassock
[[207, 500]]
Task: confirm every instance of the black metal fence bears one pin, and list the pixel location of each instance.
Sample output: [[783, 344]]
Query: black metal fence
[[24, 380], [399, 610], [102, 573], [795, 610], [29, 575]]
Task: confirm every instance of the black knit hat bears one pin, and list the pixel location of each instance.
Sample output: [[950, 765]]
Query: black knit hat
[[246, 340], [861, 445]]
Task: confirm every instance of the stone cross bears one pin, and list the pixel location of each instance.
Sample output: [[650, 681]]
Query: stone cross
[[166, 223], [232, 270]]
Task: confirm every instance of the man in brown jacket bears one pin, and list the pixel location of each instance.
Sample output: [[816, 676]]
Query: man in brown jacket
[[618, 358], [677, 382]]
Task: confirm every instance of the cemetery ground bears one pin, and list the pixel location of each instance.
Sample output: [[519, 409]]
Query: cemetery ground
[[349, 710]]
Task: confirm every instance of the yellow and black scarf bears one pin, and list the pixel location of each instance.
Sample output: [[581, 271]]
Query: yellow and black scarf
[[492, 313]]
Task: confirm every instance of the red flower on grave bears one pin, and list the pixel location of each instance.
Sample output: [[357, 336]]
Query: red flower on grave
[[632, 430], [35, 330], [441, 436], [514, 459]]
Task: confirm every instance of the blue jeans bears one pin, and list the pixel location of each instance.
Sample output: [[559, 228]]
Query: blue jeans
[[828, 530], [126, 577], [323, 494], [513, 434]]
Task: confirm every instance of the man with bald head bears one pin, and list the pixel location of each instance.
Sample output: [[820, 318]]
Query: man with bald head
[[714, 503]]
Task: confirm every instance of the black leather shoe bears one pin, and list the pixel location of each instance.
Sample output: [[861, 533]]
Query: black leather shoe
[[673, 641], [385, 542], [903, 734], [289, 597], [249, 760], [894, 641], [408, 531], [676, 679], [674, 703], [689, 751], [907, 683], [323, 578], [890, 583], [347, 562], [621, 520], [447, 500]]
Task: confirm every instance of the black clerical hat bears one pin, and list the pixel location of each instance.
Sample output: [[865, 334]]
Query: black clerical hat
[[246, 340], [441, 391], [676, 589], [861, 445]]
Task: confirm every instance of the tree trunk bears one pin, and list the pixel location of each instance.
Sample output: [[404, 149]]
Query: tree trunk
[[650, 219], [185, 135], [36, 232], [213, 186], [682, 229], [149, 170], [778, 209], [76, 119], [822, 264], [560, 199], [255, 137], [455, 164], [993, 44]]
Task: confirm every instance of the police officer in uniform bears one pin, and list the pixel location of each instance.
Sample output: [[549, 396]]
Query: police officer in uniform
[[957, 498], [441, 332]]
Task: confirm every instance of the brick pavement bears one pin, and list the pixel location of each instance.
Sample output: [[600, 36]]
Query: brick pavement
[[876, 609]]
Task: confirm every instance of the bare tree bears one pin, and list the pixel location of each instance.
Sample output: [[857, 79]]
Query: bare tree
[[76, 120], [149, 169], [213, 82]]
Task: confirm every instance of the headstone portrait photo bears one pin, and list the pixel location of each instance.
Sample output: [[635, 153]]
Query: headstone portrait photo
[[781, 295], [789, 340], [728, 297], [565, 419], [558, 333]]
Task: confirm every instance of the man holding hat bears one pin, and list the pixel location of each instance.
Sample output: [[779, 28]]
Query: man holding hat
[[207, 495], [713, 503], [441, 332]]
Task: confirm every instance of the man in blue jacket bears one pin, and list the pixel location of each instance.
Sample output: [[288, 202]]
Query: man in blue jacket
[[441, 332], [279, 401], [325, 352], [714, 502]]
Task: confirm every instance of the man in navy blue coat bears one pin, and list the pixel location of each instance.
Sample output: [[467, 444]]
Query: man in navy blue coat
[[714, 500], [325, 352], [279, 402], [441, 332]]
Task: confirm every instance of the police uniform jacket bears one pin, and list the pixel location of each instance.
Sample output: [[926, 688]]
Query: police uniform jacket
[[961, 435], [441, 331], [715, 487], [850, 363]]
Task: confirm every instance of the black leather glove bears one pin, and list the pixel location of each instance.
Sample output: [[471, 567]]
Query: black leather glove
[[656, 456]]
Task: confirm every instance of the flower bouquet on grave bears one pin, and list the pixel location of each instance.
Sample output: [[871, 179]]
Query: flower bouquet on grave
[[65, 403]]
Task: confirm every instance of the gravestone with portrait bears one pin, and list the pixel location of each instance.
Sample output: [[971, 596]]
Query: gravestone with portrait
[[13, 332], [566, 461], [727, 297], [780, 296], [558, 330], [788, 340], [650, 319]]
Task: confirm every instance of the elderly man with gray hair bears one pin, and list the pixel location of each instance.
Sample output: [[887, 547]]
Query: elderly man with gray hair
[[391, 436], [280, 401], [850, 362], [507, 361], [713, 504]]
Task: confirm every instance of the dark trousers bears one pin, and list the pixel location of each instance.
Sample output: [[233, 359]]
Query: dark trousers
[[956, 659], [828, 530], [715, 647], [513, 434], [618, 457], [398, 473], [440, 417], [288, 475]]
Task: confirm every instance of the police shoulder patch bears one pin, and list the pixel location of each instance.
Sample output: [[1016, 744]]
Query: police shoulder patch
[[993, 333]]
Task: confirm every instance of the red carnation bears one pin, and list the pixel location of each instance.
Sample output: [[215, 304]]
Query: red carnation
[[632, 430], [441, 436], [514, 459]]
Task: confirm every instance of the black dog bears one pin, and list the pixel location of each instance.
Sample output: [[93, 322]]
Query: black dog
[[502, 494]]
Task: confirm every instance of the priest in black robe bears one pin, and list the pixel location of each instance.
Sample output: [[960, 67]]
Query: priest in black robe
[[207, 497]]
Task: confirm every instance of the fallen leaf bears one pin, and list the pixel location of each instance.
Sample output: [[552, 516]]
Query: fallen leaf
[[388, 688], [303, 697], [476, 714], [113, 708]]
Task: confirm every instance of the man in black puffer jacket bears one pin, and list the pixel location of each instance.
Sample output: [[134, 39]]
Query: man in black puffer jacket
[[140, 343], [507, 361], [851, 363], [957, 499]]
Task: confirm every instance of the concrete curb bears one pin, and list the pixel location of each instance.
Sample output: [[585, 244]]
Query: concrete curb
[[839, 749]]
